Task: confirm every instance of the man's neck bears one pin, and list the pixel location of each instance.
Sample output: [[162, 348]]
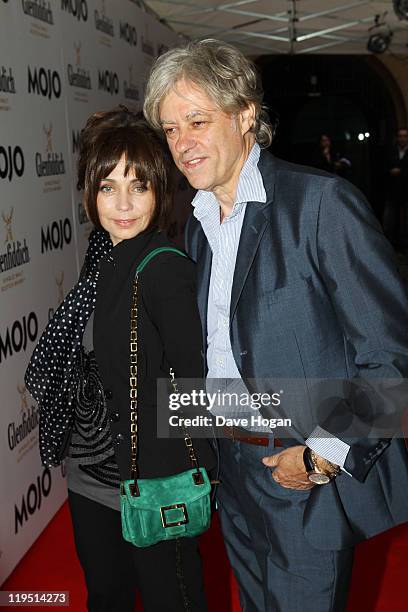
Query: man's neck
[[226, 195]]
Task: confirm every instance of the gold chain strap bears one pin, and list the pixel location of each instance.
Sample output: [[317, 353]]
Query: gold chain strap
[[133, 389], [134, 489]]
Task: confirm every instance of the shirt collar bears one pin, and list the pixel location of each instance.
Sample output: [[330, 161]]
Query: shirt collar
[[250, 188]]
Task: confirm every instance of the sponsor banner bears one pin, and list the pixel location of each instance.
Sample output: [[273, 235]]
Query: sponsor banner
[[60, 61]]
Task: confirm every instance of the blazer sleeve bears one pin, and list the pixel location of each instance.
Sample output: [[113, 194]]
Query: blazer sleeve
[[360, 272], [173, 308]]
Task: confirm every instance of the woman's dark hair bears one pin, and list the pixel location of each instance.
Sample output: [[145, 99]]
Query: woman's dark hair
[[109, 135]]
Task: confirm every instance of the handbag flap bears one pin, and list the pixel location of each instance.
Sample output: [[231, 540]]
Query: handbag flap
[[177, 488]]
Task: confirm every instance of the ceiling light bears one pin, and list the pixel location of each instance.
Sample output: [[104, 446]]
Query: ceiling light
[[401, 9], [379, 43], [380, 35]]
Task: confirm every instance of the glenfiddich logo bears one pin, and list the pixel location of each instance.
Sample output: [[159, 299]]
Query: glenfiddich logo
[[108, 81], [11, 162], [7, 83], [103, 23], [27, 422], [53, 163], [131, 90], [44, 82], [17, 336], [38, 9], [76, 8], [128, 33], [16, 254], [56, 235], [78, 76]]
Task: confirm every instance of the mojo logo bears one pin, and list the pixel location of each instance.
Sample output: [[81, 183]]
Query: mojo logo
[[18, 335], [128, 33], [78, 77], [53, 163], [11, 162], [38, 9], [7, 84], [56, 235], [17, 431], [76, 8], [17, 254], [32, 500], [108, 81], [103, 23], [76, 136], [130, 90], [44, 82]]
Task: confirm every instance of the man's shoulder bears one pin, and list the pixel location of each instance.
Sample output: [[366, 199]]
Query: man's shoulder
[[271, 165]]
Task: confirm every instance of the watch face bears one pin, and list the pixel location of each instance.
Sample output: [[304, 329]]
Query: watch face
[[318, 479]]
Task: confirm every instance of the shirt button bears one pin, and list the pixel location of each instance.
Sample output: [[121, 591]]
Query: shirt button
[[114, 417], [108, 394]]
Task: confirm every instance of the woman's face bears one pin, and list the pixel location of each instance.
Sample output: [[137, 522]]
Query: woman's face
[[125, 206]]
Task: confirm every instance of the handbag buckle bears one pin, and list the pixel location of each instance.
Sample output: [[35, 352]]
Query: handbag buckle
[[181, 507]]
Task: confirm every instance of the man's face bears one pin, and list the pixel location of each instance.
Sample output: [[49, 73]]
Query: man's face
[[402, 138], [208, 146]]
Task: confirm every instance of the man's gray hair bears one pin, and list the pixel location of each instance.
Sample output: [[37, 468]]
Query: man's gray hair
[[221, 71]]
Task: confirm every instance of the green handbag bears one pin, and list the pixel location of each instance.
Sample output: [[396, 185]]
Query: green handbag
[[157, 509]]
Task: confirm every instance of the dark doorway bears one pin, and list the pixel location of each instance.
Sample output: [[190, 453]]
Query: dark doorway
[[343, 96]]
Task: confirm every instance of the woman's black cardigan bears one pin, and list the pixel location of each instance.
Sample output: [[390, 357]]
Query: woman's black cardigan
[[169, 333]]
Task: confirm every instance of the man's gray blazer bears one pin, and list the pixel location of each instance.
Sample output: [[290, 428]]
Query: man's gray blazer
[[316, 295]]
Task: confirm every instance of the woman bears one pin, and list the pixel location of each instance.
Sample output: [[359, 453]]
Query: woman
[[124, 171]]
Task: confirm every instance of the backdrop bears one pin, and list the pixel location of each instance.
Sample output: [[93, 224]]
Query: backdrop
[[60, 61]]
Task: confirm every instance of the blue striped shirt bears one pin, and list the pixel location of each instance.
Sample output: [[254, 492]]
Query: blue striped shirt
[[223, 239]]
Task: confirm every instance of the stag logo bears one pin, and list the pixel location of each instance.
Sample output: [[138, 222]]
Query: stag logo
[[59, 280], [48, 135], [23, 397], [7, 221]]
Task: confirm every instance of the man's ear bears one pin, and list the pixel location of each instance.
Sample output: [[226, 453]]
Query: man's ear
[[247, 118]]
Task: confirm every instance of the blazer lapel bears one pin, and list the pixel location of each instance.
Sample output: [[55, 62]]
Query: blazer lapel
[[203, 282], [254, 225], [253, 228]]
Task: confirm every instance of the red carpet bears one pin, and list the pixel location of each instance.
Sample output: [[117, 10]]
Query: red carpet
[[379, 579]]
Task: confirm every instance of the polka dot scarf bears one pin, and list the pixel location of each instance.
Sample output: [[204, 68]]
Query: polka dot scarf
[[52, 373]]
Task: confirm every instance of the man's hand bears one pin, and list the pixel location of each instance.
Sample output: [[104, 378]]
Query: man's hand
[[288, 468]]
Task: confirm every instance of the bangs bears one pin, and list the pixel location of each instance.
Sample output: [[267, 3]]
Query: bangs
[[136, 150]]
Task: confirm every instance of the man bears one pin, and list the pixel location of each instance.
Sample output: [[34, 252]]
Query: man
[[397, 192], [295, 281]]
